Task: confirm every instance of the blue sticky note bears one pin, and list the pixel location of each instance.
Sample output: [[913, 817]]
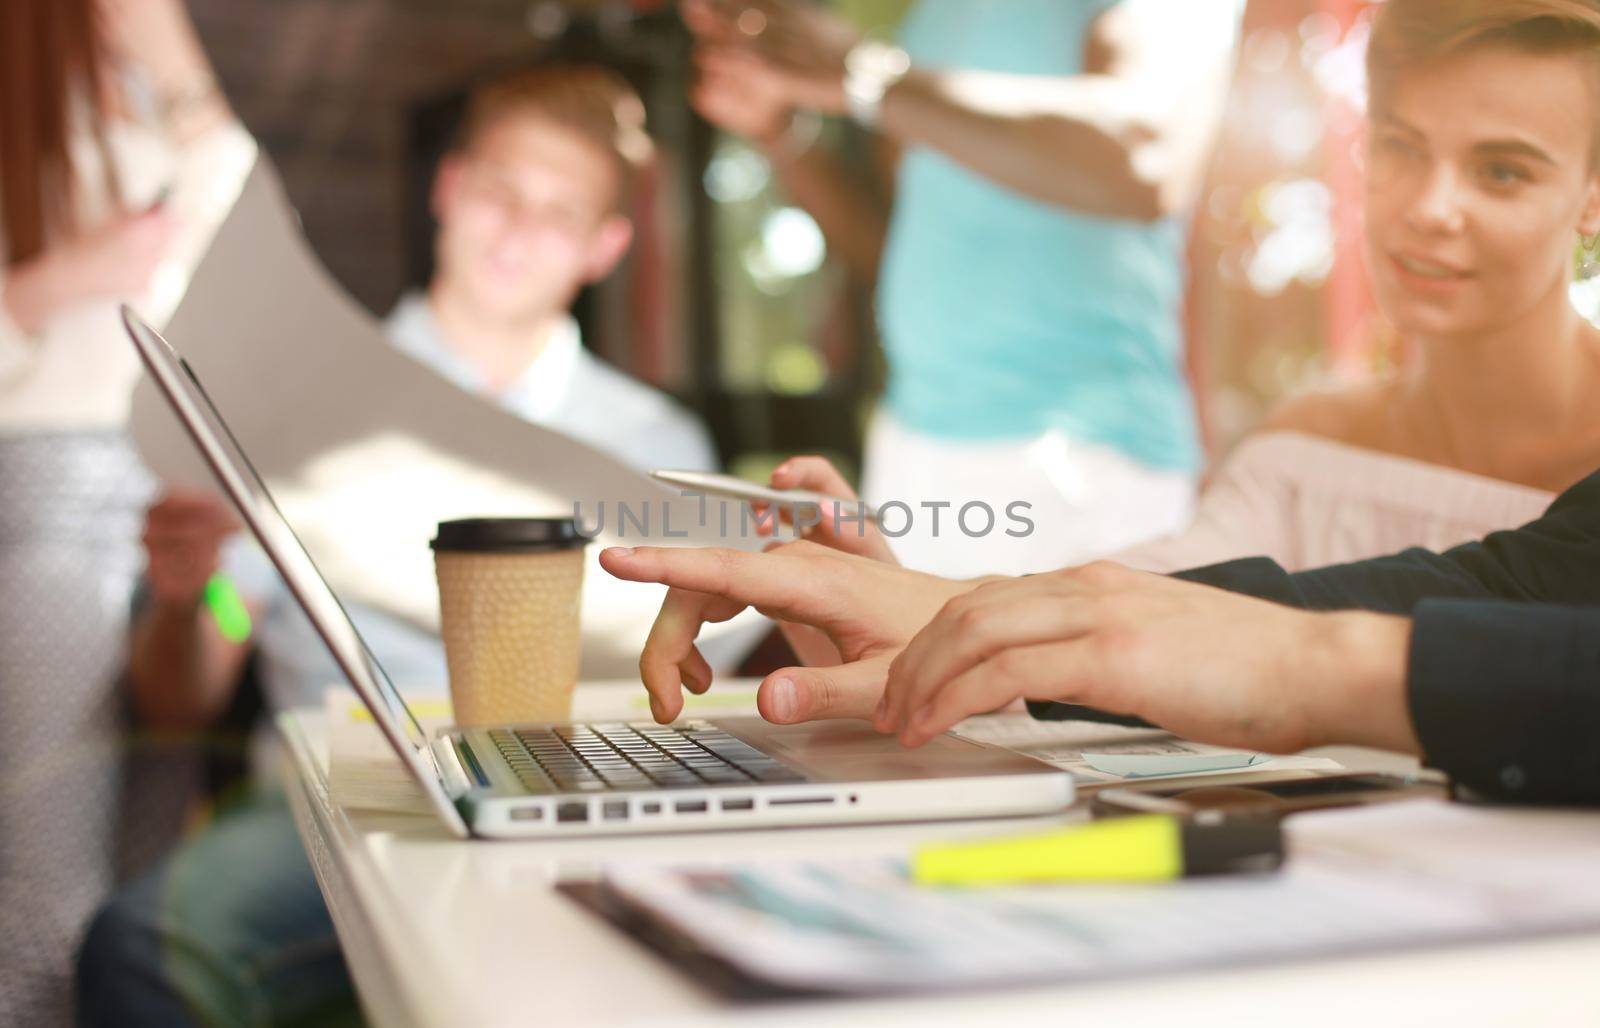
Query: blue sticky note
[[1156, 765]]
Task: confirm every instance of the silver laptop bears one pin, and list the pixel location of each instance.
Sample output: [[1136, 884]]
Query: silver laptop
[[517, 781]]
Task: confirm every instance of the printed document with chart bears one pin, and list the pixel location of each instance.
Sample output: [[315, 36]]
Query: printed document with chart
[[1411, 873]]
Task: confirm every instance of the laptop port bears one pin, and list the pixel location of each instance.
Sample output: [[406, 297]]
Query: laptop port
[[650, 807], [801, 801], [572, 812], [527, 813], [691, 806], [614, 810], [745, 804]]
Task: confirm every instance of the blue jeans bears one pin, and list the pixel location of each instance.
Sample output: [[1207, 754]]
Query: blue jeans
[[230, 930]]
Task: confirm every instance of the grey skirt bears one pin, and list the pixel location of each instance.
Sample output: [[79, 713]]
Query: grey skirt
[[71, 511]]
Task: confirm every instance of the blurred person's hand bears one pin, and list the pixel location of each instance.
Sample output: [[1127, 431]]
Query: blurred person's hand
[[183, 536], [116, 260], [860, 537], [738, 93], [803, 46], [867, 610], [111, 262], [183, 664], [1204, 663], [837, 528]]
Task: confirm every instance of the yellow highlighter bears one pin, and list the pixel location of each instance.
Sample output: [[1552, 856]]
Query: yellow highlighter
[[1142, 848]]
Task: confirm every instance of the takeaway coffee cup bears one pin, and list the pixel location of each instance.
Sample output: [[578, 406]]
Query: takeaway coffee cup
[[509, 591]]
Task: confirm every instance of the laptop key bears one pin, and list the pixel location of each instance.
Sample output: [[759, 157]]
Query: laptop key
[[776, 773], [727, 777]]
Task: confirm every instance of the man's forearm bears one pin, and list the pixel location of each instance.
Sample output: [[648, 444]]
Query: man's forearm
[[182, 671], [1502, 696], [1352, 674]]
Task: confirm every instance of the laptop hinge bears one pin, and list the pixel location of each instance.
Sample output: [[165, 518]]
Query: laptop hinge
[[451, 773]]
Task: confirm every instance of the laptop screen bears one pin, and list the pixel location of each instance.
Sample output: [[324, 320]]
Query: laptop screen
[[228, 460]]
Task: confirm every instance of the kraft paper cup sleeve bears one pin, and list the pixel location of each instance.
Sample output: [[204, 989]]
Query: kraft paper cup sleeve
[[510, 623]]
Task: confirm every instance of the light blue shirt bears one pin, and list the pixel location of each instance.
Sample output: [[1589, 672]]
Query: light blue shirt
[[567, 389], [1003, 317]]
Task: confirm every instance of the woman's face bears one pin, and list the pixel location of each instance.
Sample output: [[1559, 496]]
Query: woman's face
[[1478, 179]]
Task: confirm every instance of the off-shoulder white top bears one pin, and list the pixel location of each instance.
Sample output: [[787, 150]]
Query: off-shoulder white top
[[1307, 501]]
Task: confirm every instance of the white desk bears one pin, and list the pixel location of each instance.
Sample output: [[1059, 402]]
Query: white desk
[[442, 932]]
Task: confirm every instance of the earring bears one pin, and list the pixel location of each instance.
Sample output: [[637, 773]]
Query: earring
[[1587, 260]]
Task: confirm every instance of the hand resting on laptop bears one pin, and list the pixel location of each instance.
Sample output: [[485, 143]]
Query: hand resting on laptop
[[921, 652], [867, 609]]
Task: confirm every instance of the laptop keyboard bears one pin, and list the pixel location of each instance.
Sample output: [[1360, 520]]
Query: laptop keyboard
[[613, 757]]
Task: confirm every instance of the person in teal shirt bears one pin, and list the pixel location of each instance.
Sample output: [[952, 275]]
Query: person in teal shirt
[[1030, 274]]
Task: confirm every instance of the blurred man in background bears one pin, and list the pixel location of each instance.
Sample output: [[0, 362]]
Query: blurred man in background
[[531, 206], [1029, 277]]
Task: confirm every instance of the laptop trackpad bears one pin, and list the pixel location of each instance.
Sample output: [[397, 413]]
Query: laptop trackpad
[[853, 750]]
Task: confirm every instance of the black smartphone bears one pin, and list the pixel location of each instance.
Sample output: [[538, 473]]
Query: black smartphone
[[1050, 710], [1273, 797]]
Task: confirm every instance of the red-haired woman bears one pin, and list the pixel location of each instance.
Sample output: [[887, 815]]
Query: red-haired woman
[[113, 140]]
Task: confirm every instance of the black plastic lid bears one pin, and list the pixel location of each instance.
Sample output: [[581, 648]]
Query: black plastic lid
[[508, 535], [1232, 844]]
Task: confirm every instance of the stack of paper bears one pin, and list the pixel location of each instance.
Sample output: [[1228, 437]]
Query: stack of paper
[[1398, 874]]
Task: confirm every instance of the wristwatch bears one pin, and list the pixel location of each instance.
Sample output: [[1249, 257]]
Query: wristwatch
[[871, 69]]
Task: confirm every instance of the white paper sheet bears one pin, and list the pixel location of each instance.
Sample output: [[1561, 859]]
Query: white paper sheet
[[366, 450]]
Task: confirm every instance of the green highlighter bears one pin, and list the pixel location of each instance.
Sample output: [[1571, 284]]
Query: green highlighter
[[227, 608], [1141, 848]]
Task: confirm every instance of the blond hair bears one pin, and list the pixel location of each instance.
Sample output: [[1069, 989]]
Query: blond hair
[[1411, 32], [595, 102]]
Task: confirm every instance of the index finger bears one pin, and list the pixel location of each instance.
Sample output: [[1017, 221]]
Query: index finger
[[784, 582], [812, 472], [670, 659]]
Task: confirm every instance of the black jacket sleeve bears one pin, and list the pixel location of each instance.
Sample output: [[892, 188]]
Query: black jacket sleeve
[[1504, 669], [1555, 559], [1505, 697]]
